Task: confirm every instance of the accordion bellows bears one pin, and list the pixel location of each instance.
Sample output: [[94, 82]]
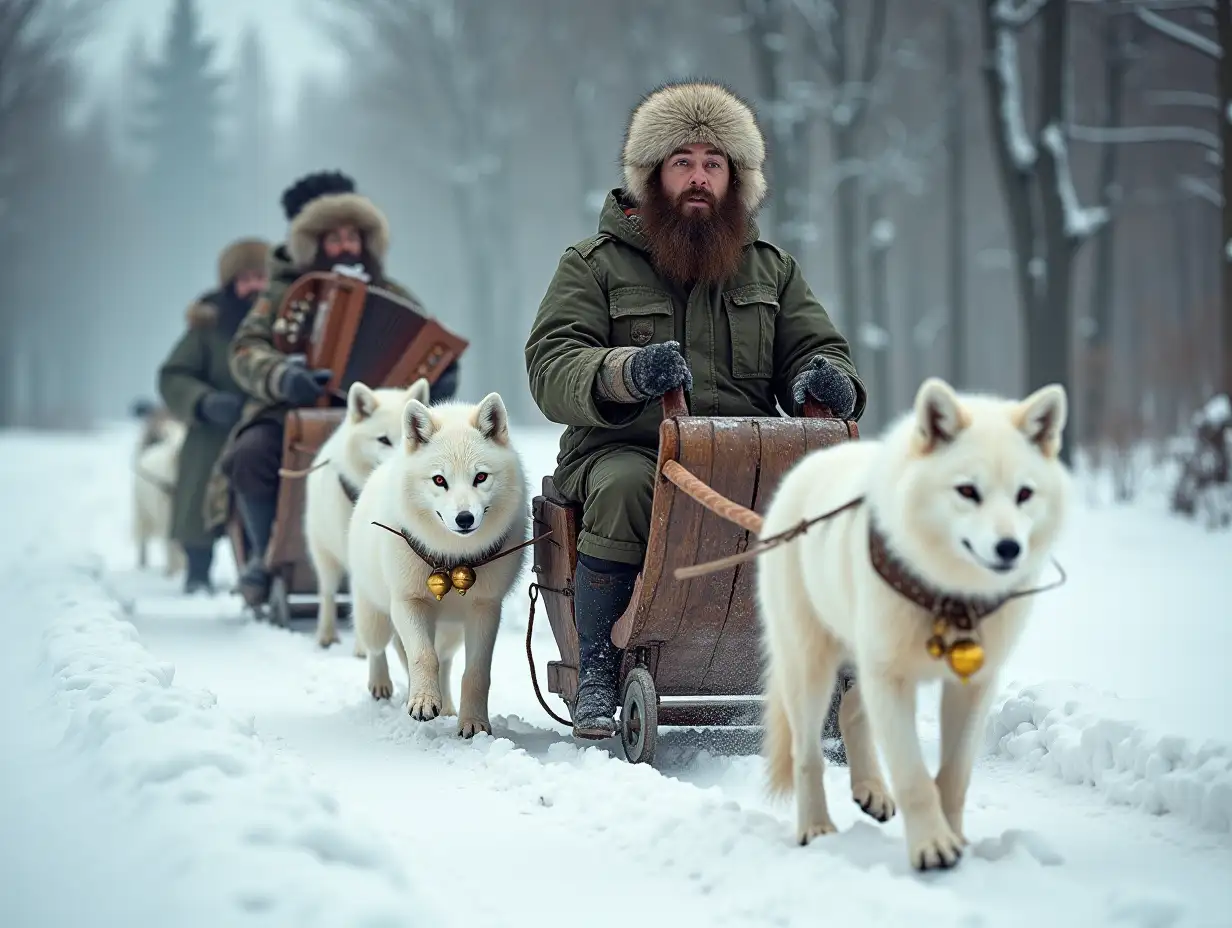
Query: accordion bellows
[[362, 333]]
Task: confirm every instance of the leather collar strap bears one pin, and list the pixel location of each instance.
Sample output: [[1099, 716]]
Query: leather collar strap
[[961, 613]]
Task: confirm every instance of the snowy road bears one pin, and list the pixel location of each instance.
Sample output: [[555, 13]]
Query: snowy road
[[527, 826]]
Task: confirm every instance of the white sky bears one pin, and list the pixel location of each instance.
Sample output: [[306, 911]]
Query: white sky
[[295, 44]]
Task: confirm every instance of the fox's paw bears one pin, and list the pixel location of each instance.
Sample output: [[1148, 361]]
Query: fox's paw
[[816, 830], [874, 799], [470, 726], [938, 849], [423, 707]]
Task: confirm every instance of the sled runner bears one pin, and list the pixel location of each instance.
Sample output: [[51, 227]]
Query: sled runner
[[360, 333], [691, 648]]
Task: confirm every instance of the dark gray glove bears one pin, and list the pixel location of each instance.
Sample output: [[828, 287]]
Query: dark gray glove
[[220, 408], [827, 385], [300, 386], [655, 369]]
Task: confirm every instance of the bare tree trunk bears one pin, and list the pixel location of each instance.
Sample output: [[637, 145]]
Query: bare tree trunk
[[1049, 341], [1016, 168], [852, 82], [878, 241], [788, 154], [1103, 288], [581, 111], [1223, 18], [956, 214]]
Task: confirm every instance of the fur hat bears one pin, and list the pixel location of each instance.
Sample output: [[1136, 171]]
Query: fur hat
[[684, 113], [245, 254], [318, 202], [329, 212], [311, 186]]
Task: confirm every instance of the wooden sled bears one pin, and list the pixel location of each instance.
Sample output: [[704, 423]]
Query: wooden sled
[[293, 587], [691, 647]]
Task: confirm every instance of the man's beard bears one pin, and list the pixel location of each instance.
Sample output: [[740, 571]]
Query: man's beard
[[694, 245], [359, 264]]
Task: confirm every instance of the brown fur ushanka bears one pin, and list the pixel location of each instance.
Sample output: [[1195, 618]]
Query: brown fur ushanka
[[245, 254], [330, 211], [678, 114]]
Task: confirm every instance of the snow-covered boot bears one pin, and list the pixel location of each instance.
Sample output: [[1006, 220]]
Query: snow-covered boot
[[200, 559], [602, 590], [258, 517]]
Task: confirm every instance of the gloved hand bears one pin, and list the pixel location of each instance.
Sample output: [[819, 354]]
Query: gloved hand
[[220, 408], [656, 369], [827, 385], [300, 386]]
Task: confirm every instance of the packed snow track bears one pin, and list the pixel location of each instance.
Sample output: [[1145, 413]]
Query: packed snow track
[[188, 766]]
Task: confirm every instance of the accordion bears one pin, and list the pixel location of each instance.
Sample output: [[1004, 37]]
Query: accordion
[[361, 333]]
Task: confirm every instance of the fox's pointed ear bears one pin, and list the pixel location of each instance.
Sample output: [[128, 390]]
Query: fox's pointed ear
[[1041, 417], [420, 390], [939, 415], [492, 420], [361, 402], [417, 425]]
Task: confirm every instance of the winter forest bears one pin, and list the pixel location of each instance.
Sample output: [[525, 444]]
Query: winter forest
[[1003, 192]]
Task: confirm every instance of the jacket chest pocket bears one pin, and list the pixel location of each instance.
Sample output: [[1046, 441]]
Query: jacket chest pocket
[[640, 316], [751, 314]]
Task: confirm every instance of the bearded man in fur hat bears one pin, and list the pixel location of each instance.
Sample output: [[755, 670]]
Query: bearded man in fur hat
[[332, 227], [196, 384], [677, 289]]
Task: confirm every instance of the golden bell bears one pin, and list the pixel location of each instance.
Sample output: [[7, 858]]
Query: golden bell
[[463, 578], [438, 584], [965, 658], [936, 647]]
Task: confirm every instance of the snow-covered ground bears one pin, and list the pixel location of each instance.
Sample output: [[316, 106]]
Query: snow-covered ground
[[168, 763]]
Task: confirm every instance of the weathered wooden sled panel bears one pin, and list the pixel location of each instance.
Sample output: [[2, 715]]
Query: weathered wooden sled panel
[[306, 430], [555, 564], [703, 633]]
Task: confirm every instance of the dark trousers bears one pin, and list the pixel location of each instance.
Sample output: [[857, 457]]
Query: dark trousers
[[252, 467], [255, 459]]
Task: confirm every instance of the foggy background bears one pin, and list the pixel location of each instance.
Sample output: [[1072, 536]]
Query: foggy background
[[946, 171]]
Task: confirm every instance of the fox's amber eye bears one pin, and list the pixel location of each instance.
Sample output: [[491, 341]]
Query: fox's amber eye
[[440, 481], [968, 491], [480, 478]]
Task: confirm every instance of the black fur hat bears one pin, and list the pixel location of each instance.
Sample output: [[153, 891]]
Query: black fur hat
[[311, 186]]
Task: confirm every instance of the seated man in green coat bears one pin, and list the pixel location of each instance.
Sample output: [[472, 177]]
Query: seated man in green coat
[[676, 289], [196, 384]]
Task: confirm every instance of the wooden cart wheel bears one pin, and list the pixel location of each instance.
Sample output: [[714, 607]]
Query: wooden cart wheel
[[279, 603], [639, 717]]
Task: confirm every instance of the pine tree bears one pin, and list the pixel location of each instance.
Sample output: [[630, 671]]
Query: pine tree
[[253, 155], [178, 123]]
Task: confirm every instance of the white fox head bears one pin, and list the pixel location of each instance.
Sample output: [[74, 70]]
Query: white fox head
[[373, 425], [975, 491], [458, 469]]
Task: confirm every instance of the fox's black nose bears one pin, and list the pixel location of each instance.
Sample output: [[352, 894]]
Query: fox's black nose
[[464, 519], [1008, 549]]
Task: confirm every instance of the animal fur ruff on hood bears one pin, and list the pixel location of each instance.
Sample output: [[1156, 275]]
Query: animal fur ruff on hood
[[245, 254], [685, 113], [330, 211]]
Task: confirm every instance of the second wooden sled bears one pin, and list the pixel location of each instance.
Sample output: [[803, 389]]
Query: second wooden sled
[[691, 647], [293, 584]]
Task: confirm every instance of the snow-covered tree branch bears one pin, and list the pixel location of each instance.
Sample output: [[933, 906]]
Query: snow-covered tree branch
[[1178, 33]]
